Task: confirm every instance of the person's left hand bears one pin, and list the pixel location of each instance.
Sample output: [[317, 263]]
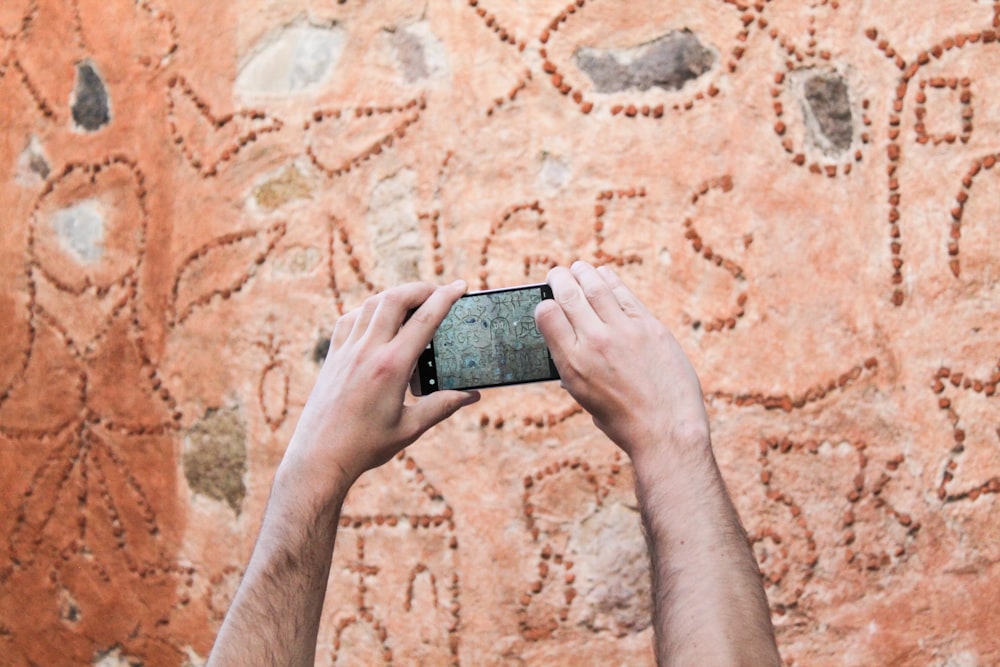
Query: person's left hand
[[356, 418]]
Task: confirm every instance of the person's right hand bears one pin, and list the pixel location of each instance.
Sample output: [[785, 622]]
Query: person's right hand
[[620, 363]]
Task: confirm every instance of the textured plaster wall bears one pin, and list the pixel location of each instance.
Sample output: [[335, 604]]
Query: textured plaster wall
[[191, 192]]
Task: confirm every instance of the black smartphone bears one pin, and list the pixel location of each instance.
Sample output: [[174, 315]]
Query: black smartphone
[[488, 339]]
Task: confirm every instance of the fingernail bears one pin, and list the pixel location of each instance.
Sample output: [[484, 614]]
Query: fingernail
[[459, 284]]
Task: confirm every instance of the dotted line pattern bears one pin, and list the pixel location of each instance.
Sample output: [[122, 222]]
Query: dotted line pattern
[[987, 388], [560, 80], [965, 97], [443, 520], [85, 464], [957, 213], [529, 260], [500, 102], [338, 233], [13, 67], [411, 111], [491, 22], [274, 366], [273, 235], [256, 121], [30, 12], [364, 614], [600, 210], [798, 59], [788, 402], [727, 322], [894, 150], [860, 489], [554, 567], [432, 220]]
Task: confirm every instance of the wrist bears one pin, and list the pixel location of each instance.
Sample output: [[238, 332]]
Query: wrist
[[322, 483], [680, 446]]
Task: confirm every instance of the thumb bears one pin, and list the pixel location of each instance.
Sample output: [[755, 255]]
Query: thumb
[[436, 407]]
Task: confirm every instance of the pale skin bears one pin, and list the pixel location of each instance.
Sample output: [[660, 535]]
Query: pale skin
[[618, 361]]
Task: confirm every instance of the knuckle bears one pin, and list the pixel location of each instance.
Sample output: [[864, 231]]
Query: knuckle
[[392, 298], [629, 307], [600, 342], [383, 364], [421, 316], [593, 292], [343, 326], [543, 313], [567, 297]]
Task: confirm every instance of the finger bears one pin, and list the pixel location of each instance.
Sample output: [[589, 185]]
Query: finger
[[556, 330], [365, 312], [597, 292], [419, 329], [342, 329], [393, 307], [627, 300], [568, 294], [435, 408]]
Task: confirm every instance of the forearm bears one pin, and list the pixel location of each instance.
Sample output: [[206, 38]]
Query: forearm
[[274, 618], [709, 604]]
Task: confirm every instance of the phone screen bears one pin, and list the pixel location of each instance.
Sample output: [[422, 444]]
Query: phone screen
[[488, 339]]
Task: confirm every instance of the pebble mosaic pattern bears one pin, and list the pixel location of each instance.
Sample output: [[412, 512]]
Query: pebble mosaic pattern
[[194, 192]]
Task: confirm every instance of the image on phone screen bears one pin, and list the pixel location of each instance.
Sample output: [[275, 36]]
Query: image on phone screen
[[488, 339]]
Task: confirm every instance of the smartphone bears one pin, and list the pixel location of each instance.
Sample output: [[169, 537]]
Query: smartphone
[[488, 339]]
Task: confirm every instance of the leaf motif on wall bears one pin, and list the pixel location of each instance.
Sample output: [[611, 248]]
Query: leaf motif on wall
[[140, 30], [219, 268], [339, 140], [348, 277], [206, 140], [275, 380], [15, 15], [19, 93], [52, 37], [84, 496]]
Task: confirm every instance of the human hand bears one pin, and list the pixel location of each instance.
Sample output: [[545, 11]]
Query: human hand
[[356, 418], [620, 363]]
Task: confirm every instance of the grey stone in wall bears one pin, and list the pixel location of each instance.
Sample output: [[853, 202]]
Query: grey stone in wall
[[828, 105], [667, 62], [91, 110]]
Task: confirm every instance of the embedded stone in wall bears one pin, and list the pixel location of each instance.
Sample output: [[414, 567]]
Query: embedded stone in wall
[[612, 568], [667, 62], [32, 165], [91, 107], [115, 658], [419, 53], [80, 229], [393, 222], [290, 185], [554, 173], [215, 457], [828, 111], [321, 350], [294, 60]]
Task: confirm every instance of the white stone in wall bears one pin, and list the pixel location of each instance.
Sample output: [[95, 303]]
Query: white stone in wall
[[394, 227], [294, 60], [80, 228]]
